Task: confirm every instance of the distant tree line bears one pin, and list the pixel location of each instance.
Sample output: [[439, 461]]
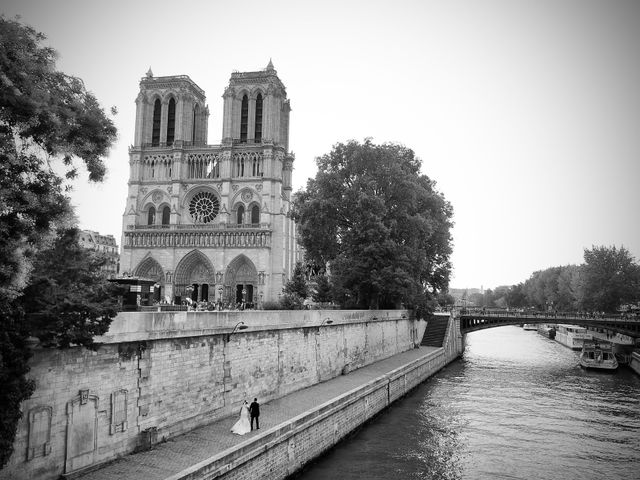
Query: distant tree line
[[608, 279]]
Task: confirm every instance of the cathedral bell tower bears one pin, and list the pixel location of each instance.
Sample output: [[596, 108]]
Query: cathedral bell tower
[[170, 110]]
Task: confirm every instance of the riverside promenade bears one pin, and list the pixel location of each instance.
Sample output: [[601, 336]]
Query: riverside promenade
[[184, 456]]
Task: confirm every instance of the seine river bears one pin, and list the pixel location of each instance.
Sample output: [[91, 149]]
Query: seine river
[[516, 406]]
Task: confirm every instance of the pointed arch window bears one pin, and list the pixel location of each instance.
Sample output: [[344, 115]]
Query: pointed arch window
[[240, 215], [166, 215], [258, 129], [151, 216], [171, 122], [255, 215], [244, 119], [155, 133], [195, 118]]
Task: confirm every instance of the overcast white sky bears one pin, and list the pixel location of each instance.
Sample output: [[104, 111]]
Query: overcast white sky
[[525, 113]]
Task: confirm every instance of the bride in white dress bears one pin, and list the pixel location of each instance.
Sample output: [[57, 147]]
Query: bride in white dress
[[243, 425]]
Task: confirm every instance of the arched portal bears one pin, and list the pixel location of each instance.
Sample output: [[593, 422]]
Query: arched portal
[[194, 275], [241, 282], [149, 268]]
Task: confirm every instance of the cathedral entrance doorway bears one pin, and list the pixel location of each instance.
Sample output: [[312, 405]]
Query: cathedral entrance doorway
[[193, 276], [244, 293], [150, 269], [241, 281]]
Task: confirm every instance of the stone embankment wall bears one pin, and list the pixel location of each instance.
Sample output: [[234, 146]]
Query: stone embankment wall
[[159, 374], [634, 362], [283, 450]]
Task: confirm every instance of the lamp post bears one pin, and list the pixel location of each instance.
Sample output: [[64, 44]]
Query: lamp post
[[239, 326], [220, 290], [326, 321]]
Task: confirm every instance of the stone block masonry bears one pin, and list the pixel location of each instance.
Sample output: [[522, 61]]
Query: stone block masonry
[[286, 448], [160, 374]]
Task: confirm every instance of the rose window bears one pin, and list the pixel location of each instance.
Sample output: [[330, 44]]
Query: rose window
[[204, 207]]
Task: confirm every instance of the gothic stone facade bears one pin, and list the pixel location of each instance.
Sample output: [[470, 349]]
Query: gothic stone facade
[[211, 222]]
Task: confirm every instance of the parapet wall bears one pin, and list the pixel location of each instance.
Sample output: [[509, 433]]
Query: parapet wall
[[159, 374]]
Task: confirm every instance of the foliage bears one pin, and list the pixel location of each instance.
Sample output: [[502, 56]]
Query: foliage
[[297, 286], [68, 301], [379, 224], [323, 291], [271, 305], [42, 105], [291, 301], [610, 278], [44, 115], [445, 299], [31, 202], [14, 355]]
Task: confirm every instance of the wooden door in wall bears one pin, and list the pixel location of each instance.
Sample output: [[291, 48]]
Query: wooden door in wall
[[82, 431]]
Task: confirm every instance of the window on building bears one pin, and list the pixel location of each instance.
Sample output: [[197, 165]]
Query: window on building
[[166, 215], [258, 129], [244, 119], [151, 217], [155, 134], [240, 215], [255, 215], [171, 122], [195, 118]]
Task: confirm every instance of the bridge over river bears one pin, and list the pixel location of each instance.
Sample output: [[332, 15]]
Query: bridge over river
[[478, 319]]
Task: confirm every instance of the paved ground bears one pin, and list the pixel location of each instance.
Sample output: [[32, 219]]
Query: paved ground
[[181, 452]]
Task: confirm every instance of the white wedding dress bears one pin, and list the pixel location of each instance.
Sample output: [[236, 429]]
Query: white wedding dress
[[243, 425]]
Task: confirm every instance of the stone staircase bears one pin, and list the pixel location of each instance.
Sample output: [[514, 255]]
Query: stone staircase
[[435, 332]]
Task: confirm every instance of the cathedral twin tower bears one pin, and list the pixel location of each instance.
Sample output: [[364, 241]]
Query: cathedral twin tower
[[211, 222]]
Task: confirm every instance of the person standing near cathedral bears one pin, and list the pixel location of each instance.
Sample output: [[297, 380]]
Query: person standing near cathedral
[[254, 409]]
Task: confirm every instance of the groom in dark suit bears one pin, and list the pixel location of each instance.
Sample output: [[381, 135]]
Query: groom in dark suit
[[254, 409]]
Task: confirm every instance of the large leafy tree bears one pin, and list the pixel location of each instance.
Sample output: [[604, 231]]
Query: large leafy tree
[[379, 225], [45, 116], [610, 278]]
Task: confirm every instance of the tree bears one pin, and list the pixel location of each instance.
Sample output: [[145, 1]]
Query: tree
[[68, 301], [298, 283], [45, 115], [379, 224], [322, 293], [610, 278], [515, 296]]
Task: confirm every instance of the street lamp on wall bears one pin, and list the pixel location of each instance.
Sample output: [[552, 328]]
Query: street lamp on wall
[[239, 326]]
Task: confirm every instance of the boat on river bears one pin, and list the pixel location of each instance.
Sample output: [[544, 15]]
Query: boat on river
[[548, 331], [598, 355], [530, 326], [572, 336]]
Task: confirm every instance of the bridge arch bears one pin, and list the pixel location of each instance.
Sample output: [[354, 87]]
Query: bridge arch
[[470, 322]]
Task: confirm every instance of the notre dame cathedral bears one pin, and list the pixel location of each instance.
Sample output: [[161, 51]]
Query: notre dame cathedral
[[211, 222]]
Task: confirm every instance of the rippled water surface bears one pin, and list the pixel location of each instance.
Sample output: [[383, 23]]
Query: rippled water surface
[[516, 406]]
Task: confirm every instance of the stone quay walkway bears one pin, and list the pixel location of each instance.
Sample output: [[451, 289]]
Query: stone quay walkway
[[178, 453]]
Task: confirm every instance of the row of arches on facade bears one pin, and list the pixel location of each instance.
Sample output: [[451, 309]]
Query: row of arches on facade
[[241, 215], [196, 278], [243, 165]]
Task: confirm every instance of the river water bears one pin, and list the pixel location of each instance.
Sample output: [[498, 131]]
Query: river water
[[515, 406]]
